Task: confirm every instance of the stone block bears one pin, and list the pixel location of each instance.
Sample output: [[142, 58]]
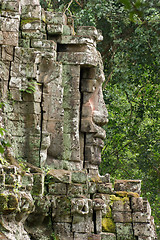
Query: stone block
[[38, 184], [58, 176], [10, 38], [125, 230], [25, 56], [87, 125], [75, 39], [98, 204], [79, 58], [25, 43], [68, 30], [29, 2], [145, 238], [9, 24], [105, 178], [89, 31], [63, 231], [79, 177], [55, 18], [27, 181], [80, 236], [31, 12], [121, 204], [10, 6], [143, 229], [88, 85], [1, 37], [94, 236], [30, 25], [54, 29], [122, 217], [81, 224], [75, 190], [141, 217], [104, 188], [63, 206], [7, 53], [71, 71], [108, 236], [50, 71], [47, 44], [15, 94], [124, 237], [92, 188], [81, 206], [87, 110], [128, 185], [98, 221], [32, 34], [140, 205], [15, 83], [58, 189]]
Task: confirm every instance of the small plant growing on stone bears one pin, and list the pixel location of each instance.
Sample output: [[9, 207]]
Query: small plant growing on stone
[[54, 237], [31, 88]]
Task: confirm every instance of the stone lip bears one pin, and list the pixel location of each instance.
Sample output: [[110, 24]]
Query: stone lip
[[59, 176], [128, 185]]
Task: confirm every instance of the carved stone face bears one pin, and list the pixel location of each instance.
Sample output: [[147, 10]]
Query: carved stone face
[[94, 116], [73, 108]]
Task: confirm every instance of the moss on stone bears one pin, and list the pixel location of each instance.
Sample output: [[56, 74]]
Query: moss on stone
[[108, 225], [126, 194], [123, 198], [3, 202], [28, 20]]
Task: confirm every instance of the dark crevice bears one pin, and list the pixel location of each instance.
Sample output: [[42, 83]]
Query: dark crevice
[[81, 99], [67, 186], [13, 53], [51, 218], [72, 226], [9, 78], [30, 43], [41, 123], [84, 151], [91, 195], [94, 221], [54, 37], [46, 31], [80, 116], [70, 47], [136, 237]]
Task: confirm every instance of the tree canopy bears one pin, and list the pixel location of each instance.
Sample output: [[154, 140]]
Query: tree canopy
[[130, 52]]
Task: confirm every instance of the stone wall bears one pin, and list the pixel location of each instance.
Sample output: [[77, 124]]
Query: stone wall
[[53, 109]]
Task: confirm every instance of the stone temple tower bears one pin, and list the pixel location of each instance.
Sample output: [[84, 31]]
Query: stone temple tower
[[53, 110]]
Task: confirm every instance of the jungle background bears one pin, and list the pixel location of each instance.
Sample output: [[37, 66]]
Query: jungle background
[[131, 57]]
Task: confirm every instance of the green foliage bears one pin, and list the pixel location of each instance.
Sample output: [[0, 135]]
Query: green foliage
[[31, 88], [54, 237]]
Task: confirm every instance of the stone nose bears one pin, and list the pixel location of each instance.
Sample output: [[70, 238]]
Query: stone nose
[[100, 117]]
